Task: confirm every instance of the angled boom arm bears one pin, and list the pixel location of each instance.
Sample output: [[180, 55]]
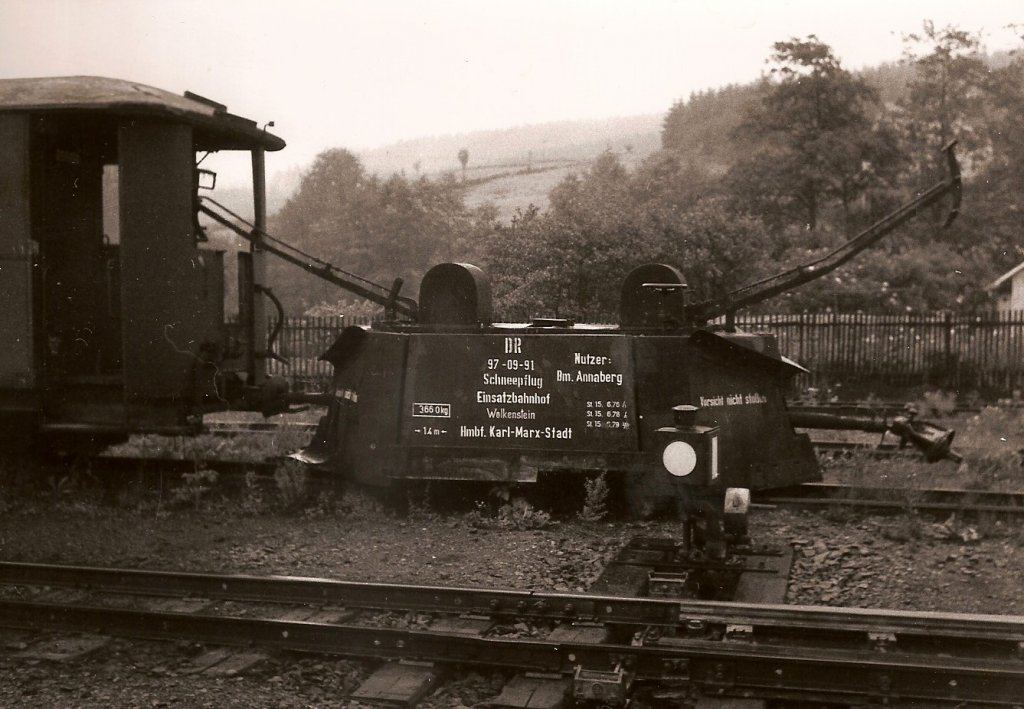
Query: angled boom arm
[[782, 282], [393, 303]]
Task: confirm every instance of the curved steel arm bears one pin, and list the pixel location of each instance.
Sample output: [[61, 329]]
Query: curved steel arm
[[762, 290], [277, 326], [955, 183], [393, 303]]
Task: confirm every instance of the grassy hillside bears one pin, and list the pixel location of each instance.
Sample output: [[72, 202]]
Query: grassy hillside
[[515, 167], [511, 167], [518, 186], [518, 146]]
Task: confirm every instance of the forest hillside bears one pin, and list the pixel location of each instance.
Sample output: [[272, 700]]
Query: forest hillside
[[730, 184]]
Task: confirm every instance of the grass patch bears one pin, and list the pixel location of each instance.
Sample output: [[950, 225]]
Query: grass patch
[[243, 447], [991, 442], [506, 510]]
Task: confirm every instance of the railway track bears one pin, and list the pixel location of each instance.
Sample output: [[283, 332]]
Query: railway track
[[236, 428], [869, 408], [133, 464], [178, 466], [901, 499], [808, 495], [883, 449], [812, 495], [593, 647], [833, 448], [836, 449], [878, 409]]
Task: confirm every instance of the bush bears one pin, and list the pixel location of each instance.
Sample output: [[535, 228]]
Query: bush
[[360, 504], [520, 514], [195, 489], [252, 502], [904, 528], [292, 480], [517, 514], [937, 403], [595, 499]]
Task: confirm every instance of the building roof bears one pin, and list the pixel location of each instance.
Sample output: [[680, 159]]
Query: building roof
[[1006, 276], [216, 129]]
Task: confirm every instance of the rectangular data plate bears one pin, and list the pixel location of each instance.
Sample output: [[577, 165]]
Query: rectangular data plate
[[520, 391]]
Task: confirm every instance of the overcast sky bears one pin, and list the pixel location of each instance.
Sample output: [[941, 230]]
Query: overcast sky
[[362, 73]]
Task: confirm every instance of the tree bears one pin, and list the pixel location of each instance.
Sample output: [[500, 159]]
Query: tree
[[996, 211], [814, 138], [717, 249], [524, 276], [945, 98], [329, 202], [585, 241], [921, 277], [955, 94], [570, 260], [796, 167], [703, 127], [464, 159], [376, 228], [674, 177]]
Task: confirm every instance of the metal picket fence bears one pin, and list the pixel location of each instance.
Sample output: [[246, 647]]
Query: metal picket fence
[[301, 342], [965, 352]]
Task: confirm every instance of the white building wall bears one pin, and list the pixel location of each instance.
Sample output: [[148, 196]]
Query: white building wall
[[1017, 292]]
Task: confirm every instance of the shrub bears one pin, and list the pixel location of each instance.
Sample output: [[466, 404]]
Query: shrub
[[904, 528], [360, 504], [195, 488], [252, 501], [937, 403], [516, 514], [595, 499], [520, 514], [324, 506], [292, 480], [420, 502]]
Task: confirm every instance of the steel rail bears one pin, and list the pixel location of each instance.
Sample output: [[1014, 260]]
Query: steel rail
[[936, 500], [996, 629], [236, 428], [717, 665], [132, 464], [880, 450], [880, 409]]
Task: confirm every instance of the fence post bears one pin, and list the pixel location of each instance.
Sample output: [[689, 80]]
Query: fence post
[[951, 378], [800, 345]]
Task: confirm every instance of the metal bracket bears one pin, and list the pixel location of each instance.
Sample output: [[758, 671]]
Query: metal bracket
[[739, 632], [882, 641], [721, 676], [609, 688]]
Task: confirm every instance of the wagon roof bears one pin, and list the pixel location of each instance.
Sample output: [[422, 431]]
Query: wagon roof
[[1006, 276], [215, 127]]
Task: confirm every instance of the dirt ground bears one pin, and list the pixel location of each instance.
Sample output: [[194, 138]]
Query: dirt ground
[[897, 561], [900, 561], [892, 561]]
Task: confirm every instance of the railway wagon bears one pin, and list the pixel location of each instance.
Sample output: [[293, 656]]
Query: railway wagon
[[116, 324], [114, 317], [682, 410]]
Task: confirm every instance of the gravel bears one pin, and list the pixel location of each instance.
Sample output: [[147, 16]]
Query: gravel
[[897, 561]]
